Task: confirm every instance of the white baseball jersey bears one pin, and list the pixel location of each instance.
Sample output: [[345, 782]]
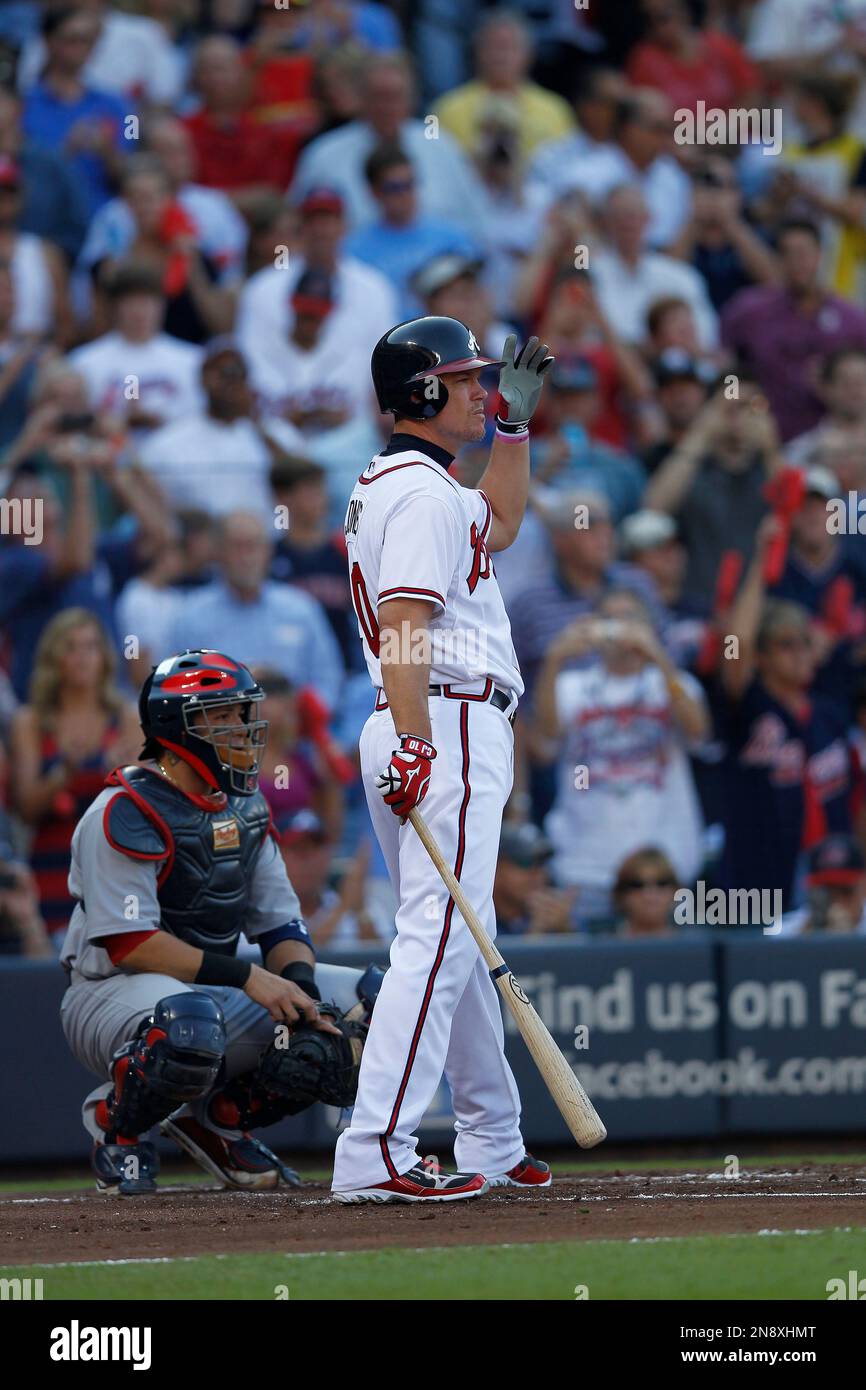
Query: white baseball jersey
[[413, 532]]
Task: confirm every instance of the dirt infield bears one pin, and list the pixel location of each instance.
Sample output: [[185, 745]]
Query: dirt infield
[[188, 1221]]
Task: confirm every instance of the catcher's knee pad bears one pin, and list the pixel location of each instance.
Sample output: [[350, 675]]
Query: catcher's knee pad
[[175, 1057]]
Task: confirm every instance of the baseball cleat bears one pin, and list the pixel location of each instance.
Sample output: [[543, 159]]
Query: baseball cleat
[[242, 1163], [126, 1169], [424, 1183], [529, 1172]]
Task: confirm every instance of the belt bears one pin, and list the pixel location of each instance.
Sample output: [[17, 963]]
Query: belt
[[491, 695]]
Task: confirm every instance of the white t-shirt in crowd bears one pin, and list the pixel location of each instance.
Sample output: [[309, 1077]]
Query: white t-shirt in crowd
[[32, 285], [132, 57], [626, 295], [365, 308], [217, 467], [165, 371], [637, 791]]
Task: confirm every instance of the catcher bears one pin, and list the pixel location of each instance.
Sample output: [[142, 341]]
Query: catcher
[[171, 862]]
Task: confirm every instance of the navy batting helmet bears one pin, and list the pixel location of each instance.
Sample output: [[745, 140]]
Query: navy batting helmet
[[411, 353], [176, 706]]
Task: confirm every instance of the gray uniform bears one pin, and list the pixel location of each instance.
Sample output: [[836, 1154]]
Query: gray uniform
[[103, 1004]]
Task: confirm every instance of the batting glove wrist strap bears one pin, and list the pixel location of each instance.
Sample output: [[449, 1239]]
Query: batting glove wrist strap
[[512, 429], [411, 743]]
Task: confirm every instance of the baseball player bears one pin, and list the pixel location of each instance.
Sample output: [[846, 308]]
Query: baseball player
[[169, 864], [437, 642]]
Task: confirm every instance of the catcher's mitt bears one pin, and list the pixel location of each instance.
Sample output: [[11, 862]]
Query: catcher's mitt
[[315, 1065]]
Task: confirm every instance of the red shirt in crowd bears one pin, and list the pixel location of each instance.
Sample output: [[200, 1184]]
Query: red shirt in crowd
[[720, 74]]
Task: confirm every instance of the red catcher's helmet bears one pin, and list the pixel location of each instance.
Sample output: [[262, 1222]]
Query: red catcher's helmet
[[175, 708]]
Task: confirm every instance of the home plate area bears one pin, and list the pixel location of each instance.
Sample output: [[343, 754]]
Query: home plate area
[[191, 1220]]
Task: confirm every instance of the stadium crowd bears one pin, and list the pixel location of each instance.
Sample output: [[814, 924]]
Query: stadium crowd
[[210, 210]]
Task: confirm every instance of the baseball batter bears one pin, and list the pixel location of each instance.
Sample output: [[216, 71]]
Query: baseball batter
[[169, 864], [437, 642]]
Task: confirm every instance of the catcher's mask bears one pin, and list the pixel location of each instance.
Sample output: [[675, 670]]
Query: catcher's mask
[[183, 706]]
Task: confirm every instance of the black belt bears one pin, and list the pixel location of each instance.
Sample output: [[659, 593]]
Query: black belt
[[499, 699]]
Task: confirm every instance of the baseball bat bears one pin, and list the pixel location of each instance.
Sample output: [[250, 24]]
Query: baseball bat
[[571, 1099]]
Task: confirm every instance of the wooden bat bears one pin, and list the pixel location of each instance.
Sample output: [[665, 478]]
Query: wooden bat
[[571, 1099]]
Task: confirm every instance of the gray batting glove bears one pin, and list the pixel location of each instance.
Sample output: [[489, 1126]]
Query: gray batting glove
[[522, 377]]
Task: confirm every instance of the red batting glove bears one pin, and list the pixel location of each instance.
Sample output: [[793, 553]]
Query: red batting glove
[[404, 782]]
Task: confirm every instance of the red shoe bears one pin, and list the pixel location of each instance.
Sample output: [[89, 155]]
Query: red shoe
[[424, 1183], [529, 1172], [240, 1162]]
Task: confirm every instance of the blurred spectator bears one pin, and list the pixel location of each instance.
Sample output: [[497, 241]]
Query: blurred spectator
[[629, 279], [401, 241], [568, 457], [503, 58], [835, 890], [827, 578], [53, 207], [583, 568], [234, 151], [617, 730], [72, 731], [643, 895], [838, 441], [781, 334], [146, 609], [512, 220], [649, 541], [310, 556], [38, 268], [690, 65], [574, 326], [597, 96], [713, 482], [524, 898], [264, 622], [20, 356], [138, 372], [69, 567], [639, 155], [447, 186], [682, 384], [324, 393], [339, 21], [219, 230], [824, 176], [61, 428], [63, 112], [452, 286], [218, 459], [365, 306], [196, 305], [337, 84], [293, 775], [271, 223], [718, 240], [787, 770], [339, 915], [132, 56]]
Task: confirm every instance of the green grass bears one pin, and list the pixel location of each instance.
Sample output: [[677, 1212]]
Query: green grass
[[78, 1181], [785, 1266]]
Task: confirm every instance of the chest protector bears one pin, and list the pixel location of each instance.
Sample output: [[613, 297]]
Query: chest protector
[[206, 851]]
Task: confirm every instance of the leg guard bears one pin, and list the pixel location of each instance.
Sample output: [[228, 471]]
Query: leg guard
[[175, 1057]]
